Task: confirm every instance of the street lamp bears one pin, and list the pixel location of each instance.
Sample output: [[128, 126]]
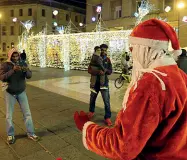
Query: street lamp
[[93, 19], [180, 5], [55, 12], [184, 19], [167, 9], [14, 19], [55, 24], [98, 9], [80, 24]]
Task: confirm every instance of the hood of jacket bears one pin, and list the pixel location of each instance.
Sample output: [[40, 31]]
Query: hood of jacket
[[10, 52]]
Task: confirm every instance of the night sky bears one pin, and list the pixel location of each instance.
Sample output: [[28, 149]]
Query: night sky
[[78, 3]]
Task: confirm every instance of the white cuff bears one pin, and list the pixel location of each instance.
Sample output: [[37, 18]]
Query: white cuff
[[84, 133], [177, 52]]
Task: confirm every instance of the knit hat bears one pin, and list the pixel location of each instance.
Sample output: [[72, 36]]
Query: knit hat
[[156, 34]]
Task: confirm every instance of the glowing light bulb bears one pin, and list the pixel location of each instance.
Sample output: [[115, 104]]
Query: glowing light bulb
[[180, 5], [55, 24], [167, 9], [55, 12], [184, 19], [14, 19], [93, 19], [80, 24], [98, 9]]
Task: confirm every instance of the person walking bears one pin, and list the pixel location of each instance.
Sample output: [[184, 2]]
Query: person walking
[[104, 92]]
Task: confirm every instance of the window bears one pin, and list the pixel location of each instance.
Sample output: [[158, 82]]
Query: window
[[4, 47], [84, 20], [11, 30], [117, 12], [4, 30], [53, 16], [67, 17], [169, 3], [30, 12], [20, 12], [53, 29], [76, 18], [11, 13], [43, 12], [12, 45]]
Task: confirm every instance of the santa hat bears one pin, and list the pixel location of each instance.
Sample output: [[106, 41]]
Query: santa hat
[[155, 34]]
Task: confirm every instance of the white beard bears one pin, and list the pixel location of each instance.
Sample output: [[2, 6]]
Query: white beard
[[145, 59]]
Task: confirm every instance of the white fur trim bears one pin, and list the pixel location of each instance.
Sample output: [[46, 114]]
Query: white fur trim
[[84, 133], [177, 52], [149, 42]]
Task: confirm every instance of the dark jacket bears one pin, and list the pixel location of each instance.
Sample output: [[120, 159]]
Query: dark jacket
[[97, 61], [23, 56], [15, 80], [182, 63], [108, 67]]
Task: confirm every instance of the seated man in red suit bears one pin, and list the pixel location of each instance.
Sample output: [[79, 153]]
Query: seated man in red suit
[[152, 124]]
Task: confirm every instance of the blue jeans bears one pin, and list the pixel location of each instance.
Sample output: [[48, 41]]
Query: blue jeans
[[10, 101], [106, 99]]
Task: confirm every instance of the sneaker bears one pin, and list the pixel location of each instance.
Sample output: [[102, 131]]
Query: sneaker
[[104, 87], [11, 139], [34, 137], [93, 90], [90, 115], [108, 122]]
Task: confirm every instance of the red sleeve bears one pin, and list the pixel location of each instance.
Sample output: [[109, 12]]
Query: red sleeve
[[132, 130]]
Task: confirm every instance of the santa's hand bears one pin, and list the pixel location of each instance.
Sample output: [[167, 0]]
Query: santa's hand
[[80, 119]]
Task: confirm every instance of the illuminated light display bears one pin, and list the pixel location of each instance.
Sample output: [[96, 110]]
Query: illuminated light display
[[74, 51]]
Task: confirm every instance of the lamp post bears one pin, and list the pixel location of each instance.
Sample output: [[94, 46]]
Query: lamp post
[[180, 5]]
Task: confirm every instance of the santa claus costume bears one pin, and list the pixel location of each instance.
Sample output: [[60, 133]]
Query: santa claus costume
[[152, 124]]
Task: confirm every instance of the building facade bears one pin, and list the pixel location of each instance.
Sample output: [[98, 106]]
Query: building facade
[[40, 12], [119, 15]]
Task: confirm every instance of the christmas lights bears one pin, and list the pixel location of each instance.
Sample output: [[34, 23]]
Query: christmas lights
[[143, 10], [28, 25], [73, 51]]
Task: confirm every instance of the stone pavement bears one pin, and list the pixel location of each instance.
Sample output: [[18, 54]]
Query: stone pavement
[[53, 119]]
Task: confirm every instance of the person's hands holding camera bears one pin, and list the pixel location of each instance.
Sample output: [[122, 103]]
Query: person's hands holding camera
[[16, 68], [24, 69]]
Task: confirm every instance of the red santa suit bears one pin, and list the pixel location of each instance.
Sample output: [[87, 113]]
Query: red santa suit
[[152, 125]]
